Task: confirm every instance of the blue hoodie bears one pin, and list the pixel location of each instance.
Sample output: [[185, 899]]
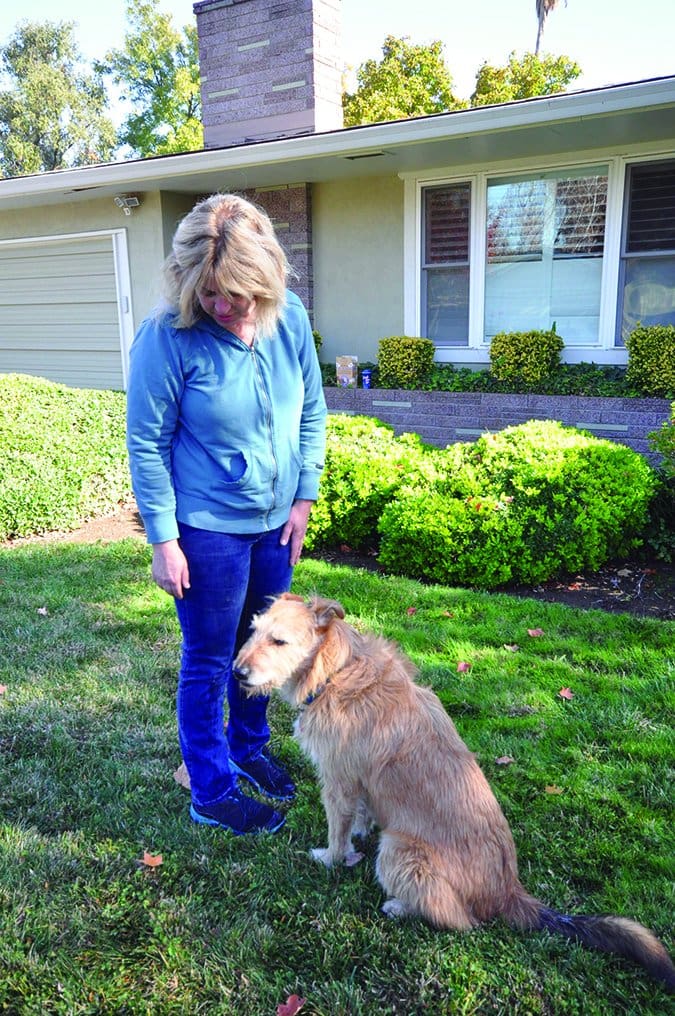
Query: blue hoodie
[[223, 436]]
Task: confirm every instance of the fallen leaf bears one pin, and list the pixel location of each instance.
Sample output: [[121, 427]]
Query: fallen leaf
[[535, 632], [3, 689], [152, 860], [512, 647], [504, 760], [552, 789], [624, 572], [566, 693], [291, 1006], [345, 548], [182, 777], [43, 611], [411, 610], [463, 666], [448, 613]]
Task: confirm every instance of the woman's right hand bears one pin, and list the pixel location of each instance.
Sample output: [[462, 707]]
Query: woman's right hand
[[170, 568]]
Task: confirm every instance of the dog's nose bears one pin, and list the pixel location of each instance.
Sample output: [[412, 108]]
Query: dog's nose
[[240, 673]]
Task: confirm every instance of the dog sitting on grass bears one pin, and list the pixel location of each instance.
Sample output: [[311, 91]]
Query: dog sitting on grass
[[388, 754]]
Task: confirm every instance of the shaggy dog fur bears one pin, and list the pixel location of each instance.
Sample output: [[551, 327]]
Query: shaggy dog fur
[[388, 754]]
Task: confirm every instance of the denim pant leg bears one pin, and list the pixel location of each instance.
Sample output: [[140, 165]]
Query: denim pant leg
[[270, 574], [209, 616]]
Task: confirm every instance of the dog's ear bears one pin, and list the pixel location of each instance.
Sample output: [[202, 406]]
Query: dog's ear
[[290, 596], [326, 610]]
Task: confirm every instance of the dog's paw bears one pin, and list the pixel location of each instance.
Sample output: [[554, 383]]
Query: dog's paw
[[323, 855], [394, 908], [353, 857]]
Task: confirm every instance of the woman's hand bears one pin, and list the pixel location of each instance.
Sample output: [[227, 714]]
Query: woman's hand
[[170, 568], [295, 529]]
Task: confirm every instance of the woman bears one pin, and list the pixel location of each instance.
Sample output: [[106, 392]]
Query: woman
[[226, 435]]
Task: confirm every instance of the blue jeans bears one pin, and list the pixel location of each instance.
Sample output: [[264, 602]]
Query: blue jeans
[[231, 577]]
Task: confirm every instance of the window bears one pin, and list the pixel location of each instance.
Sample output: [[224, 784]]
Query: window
[[647, 275], [445, 264], [544, 246]]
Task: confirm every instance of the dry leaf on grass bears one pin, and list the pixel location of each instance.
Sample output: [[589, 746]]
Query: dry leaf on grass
[[182, 777], [152, 860], [291, 1006], [566, 693]]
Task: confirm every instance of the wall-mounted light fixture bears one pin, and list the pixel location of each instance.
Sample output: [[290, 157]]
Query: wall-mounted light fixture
[[126, 202]]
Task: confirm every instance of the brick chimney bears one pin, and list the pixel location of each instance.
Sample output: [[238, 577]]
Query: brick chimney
[[269, 68]]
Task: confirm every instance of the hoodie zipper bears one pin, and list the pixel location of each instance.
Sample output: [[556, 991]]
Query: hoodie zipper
[[268, 421]]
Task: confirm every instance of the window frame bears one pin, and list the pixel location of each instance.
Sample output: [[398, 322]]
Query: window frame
[[476, 352]]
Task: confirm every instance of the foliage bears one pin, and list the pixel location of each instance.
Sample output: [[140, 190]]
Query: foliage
[[233, 925], [525, 357], [523, 77], [409, 80], [53, 115], [404, 361], [651, 359], [318, 340], [159, 71], [661, 528], [526, 504], [62, 455], [365, 465]]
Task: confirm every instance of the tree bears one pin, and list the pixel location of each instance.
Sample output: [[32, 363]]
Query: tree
[[544, 8], [53, 115], [158, 69], [408, 81], [523, 78]]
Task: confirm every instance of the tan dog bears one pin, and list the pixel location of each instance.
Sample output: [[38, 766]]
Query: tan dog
[[388, 753]]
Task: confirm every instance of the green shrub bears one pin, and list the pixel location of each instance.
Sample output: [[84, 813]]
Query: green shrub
[[62, 455], [404, 361], [523, 505], [365, 464], [651, 359], [318, 340], [525, 357], [661, 527], [436, 537]]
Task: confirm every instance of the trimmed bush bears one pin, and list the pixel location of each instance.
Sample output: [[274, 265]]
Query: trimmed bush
[[365, 464], [524, 505], [62, 455], [404, 361], [651, 359], [525, 357], [661, 528]]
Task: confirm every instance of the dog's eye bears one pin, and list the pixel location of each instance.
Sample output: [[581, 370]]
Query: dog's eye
[[279, 642]]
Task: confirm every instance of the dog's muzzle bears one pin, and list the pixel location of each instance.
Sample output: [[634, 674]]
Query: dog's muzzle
[[241, 674]]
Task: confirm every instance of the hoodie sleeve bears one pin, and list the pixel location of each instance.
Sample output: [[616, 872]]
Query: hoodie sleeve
[[154, 392], [313, 419]]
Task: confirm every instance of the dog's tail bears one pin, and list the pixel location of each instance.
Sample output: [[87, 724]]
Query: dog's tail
[[614, 935]]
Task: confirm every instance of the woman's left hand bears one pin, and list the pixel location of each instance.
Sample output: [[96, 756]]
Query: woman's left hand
[[295, 529]]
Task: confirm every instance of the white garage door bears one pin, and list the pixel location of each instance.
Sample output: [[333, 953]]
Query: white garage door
[[64, 308]]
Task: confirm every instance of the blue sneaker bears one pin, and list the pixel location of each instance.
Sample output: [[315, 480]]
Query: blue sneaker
[[266, 775], [239, 814]]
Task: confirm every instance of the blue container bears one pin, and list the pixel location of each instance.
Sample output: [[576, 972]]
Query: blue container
[[366, 375]]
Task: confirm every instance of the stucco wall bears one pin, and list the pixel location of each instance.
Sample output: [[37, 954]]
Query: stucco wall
[[357, 237]]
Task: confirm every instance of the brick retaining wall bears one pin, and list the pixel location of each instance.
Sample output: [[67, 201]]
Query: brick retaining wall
[[442, 418]]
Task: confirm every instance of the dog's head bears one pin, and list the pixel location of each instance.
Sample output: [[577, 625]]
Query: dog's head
[[288, 647]]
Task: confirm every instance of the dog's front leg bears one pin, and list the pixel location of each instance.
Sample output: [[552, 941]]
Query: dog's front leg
[[340, 808]]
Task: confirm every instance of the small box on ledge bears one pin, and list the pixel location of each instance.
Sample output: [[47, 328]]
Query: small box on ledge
[[346, 370]]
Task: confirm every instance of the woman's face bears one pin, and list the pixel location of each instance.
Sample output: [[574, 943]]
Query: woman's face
[[232, 312]]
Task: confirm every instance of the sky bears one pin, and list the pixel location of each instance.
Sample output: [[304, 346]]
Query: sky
[[614, 41]]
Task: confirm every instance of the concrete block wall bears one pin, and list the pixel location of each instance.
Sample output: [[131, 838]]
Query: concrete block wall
[[443, 418], [269, 68], [290, 209]]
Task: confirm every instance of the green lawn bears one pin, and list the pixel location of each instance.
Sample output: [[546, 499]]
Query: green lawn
[[89, 654]]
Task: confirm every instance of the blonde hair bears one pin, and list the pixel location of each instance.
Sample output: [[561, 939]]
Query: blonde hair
[[228, 244]]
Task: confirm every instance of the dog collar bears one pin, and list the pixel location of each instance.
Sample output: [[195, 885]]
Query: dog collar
[[315, 694]]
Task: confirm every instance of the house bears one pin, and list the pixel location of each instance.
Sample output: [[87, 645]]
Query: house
[[454, 226]]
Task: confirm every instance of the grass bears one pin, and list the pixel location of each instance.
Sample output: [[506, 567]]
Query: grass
[[89, 653]]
